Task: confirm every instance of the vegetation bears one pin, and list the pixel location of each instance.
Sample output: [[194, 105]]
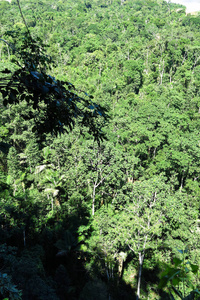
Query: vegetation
[[99, 200]]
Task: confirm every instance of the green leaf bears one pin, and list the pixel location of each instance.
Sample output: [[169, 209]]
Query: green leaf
[[163, 282], [177, 261], [176, 280], [194, 268]]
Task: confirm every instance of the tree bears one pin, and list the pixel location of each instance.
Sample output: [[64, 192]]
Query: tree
[[141, 218], [144, 216], [55, 104]]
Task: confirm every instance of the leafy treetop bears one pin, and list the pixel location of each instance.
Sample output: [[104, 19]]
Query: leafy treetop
[[54, 105]]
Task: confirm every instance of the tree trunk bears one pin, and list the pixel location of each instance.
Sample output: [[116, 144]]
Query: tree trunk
[[93, 198], [141, 259]]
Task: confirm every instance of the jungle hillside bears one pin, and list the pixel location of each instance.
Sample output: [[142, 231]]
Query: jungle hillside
[[99, 150]]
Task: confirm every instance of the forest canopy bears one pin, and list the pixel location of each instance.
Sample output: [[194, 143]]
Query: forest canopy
[[118, 219], [57, 100]]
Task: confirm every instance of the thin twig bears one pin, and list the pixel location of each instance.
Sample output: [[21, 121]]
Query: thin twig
[[24, 19], [8, 44]]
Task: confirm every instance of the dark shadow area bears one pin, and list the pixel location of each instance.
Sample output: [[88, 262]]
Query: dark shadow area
[[41, 255], [150, 280], [42, 258]]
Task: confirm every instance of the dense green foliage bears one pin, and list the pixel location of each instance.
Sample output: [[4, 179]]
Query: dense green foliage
[[83, 220]]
